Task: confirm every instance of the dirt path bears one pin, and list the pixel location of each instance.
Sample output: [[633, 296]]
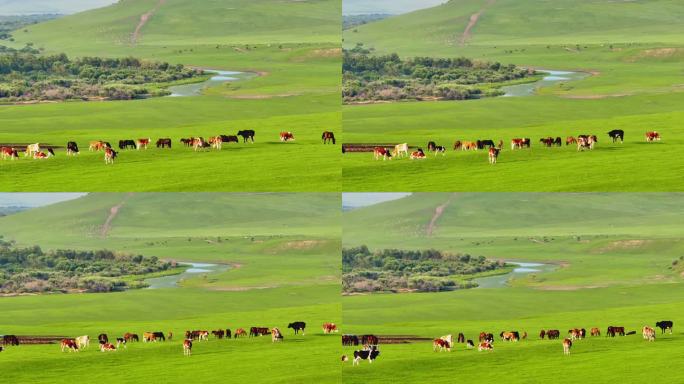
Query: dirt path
[[143, 20], [438, 213], [473, 21], [113, 211]]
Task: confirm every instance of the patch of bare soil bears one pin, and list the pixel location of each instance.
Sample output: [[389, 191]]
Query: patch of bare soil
[[474, 18], [143, 20], [596, 97], [318, 53], [438, 213], [113, 211], [658, 53], [623, 245]]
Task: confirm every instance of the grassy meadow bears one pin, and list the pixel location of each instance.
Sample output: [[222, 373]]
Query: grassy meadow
[[612, 258], [282, 253], [632, 50], [292, 47]]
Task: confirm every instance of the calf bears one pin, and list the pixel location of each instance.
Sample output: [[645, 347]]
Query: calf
[[664, 325], [570, 140], [369, 354], [31, 149], [297, 326], [187, 347]]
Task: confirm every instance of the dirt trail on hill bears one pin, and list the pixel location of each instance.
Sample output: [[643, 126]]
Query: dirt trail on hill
[[113, 211], [438, 213], [143, 20], [473, 21]]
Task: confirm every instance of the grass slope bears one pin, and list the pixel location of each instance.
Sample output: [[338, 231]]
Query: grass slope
[[283, 251], [612, 252], [292, 46], [632, 50]]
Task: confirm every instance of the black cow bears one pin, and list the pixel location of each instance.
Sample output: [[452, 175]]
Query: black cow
[[350, 340], [431, 146], [366, 354], [229, 139], [10, 340], [72, 148], [617, 134], [664, 325], [102, 338], [51, 151], [107, 144], [124, 144], [164, 143], [297, 326], [228, 333], [369, 340], [470, 344], [558, 142], [159, 336], [485, 143], [1, 349], [553, 334], [461, 338], [246, 135]]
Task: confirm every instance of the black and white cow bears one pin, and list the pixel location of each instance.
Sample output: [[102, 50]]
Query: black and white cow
[[370, 354]]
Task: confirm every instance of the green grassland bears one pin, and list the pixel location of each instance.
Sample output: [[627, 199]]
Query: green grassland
[[633, 51], [293, 47], [612, 255], [283, 257]]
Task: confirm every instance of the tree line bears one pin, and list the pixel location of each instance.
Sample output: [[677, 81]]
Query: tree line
[[28, 75], [396, 270], [32, 270], [368, 77]]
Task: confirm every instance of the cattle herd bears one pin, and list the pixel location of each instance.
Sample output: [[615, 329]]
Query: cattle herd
[[583, 142], [370, 350], [80, 343], [110, 154]]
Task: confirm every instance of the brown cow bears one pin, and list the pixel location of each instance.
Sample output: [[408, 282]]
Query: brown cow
[[567, 344], [381, 152], [595, 332], [441, 344], [187, 347], [286, 136], [328, 137], [69, 344], [493, 155], [652, 136]]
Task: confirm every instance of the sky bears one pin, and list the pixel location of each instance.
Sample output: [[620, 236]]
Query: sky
[[355, 200], [35, 199], [394, 7], [24, 7]]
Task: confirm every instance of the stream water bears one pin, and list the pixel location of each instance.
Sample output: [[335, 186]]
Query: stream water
[[220, 77], [195, 269], [552, 78], [522, 269]]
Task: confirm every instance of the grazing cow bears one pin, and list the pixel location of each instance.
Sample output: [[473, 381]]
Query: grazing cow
[[276, 335], [595, 332], [329, 328], [164, 143], [542, 333], [297, 326], [228, 333], [69, 344], [570, 140], [461, 338], [648, 333], [218, 334], [187, 347], [567, 344], [120, 341], [239, 332], [105, 347], [483, 335], [612, 331], [558, 142], [470, 344], [110, 155], [142, 143], [102, 338], [125, 144], [9, 152], [441, 344], [350, 340], [509, 336], [617, 134], [328, 137], [246, 134], [553, 334], [131, 337], [516, 143], [149, 336], [485, 346], [370, 354], [10, 340], [43, 155], [493, 155], [82, 342], [485, 143], [457, 145], [31, 149], [418, 154], [664, 325], [203, 335], [381, 152], [448, 338], [199, 143], [187, 141], [440, 149], [229, 139], [652, 136], [286, 136], [547, 141], [400, 150], [369, 340], [96, 145], [72, 148], [575, 334], [258, 331], [431, 146], [216, 142], [469, 145]]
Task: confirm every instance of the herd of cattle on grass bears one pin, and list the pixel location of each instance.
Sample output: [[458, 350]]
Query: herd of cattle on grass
[[106, 345], [370, 350], [197, 143], [583, 142]]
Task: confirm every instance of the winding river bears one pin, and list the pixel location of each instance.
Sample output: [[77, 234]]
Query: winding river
[[195, 269], [219, 77], [552, 78], [522, 269]]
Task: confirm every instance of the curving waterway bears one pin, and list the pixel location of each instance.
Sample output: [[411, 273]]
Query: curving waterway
[[195, 269], [552, 78], [522, 269], [219, 78]]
